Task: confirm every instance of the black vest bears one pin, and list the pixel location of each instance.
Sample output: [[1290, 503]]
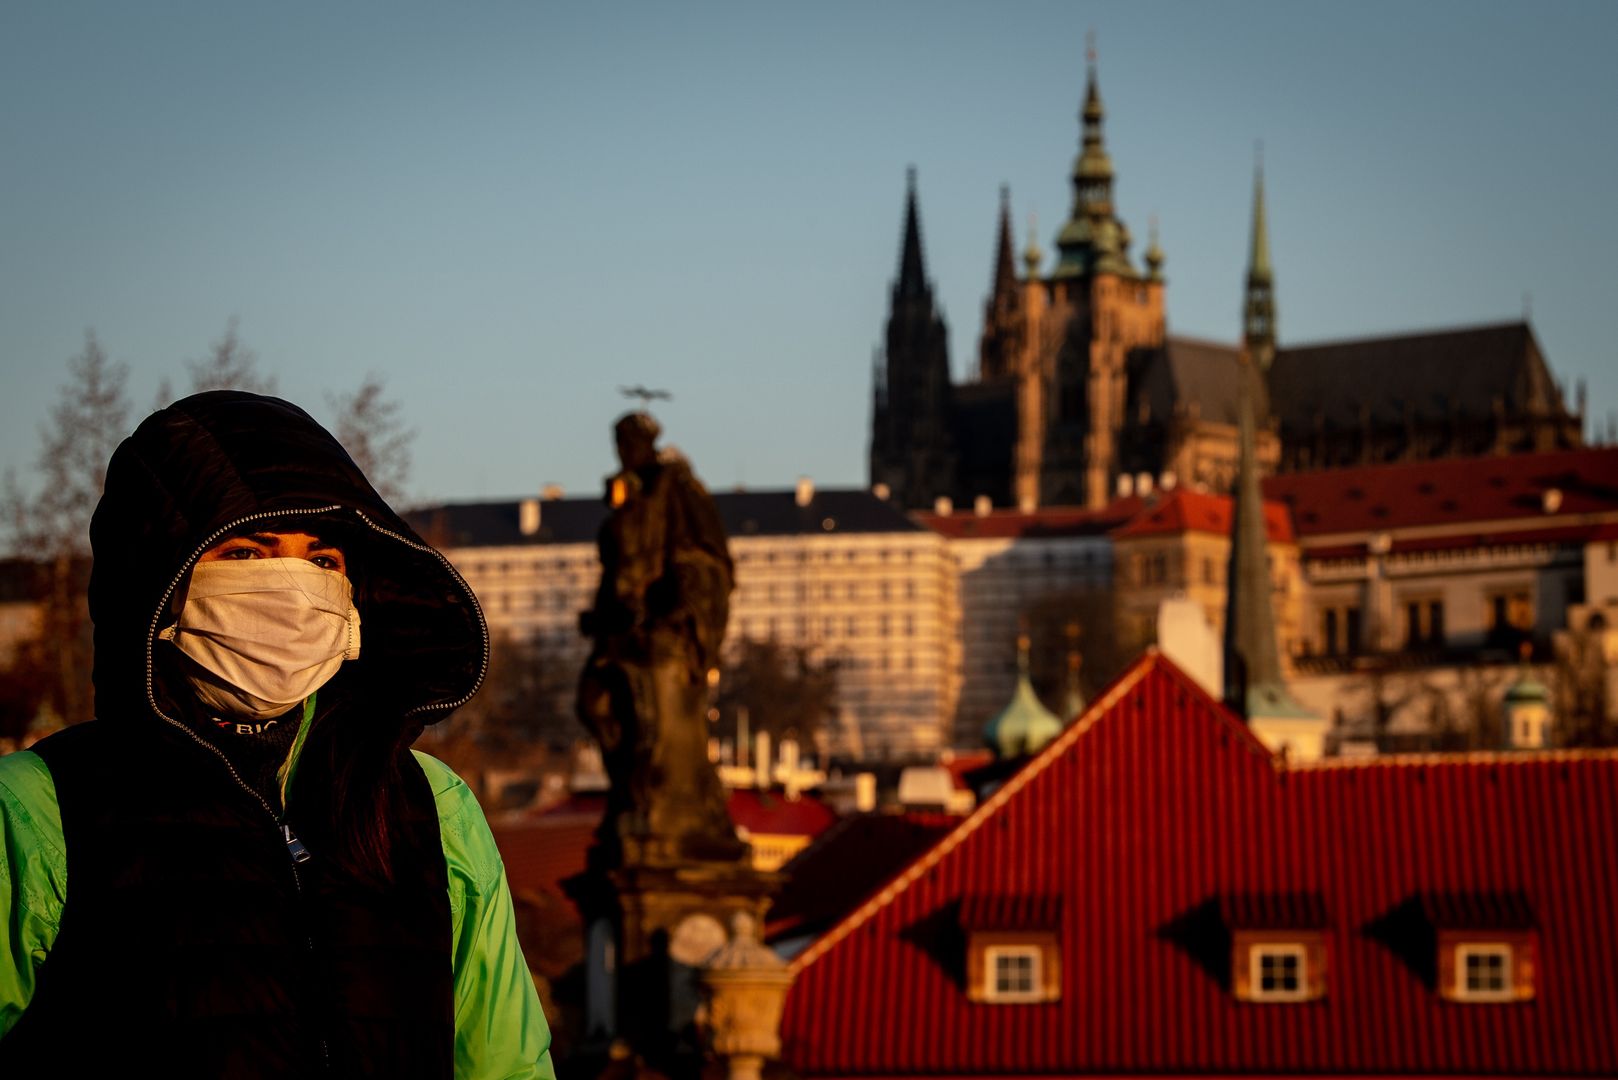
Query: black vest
[[190, 946]]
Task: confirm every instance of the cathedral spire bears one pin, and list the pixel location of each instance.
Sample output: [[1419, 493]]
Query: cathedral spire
[[1005, 266], [912, 271], [1258, 311], [911, 407]]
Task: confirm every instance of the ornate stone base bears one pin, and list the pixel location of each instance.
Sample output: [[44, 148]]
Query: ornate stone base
[[651, 926]]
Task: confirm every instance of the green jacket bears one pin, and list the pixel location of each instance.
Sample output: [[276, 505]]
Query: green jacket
[[500, 1029]]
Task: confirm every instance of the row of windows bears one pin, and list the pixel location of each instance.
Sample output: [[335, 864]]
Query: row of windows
[[1050, 560], [506, 567], [1341, 625], [1483, 971], [770, 557], [588, 562], [801, 591], [829, 627]]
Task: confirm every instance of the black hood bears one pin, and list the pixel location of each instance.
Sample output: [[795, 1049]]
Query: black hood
[[220, 462]]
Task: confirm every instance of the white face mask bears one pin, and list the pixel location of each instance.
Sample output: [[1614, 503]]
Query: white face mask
[[271, 631]]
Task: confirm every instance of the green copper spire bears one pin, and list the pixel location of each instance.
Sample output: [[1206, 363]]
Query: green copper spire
[[1092, 239], [1154, 255], [1032, 256], [1253, 683], [1258, 311]]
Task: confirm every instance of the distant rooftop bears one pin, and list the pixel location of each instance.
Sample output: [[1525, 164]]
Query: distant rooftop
[[745, 514], [1558, 489]]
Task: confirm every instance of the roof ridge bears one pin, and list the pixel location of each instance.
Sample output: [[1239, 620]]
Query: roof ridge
[[1470, 757], [1193, 339], [1428, 332]]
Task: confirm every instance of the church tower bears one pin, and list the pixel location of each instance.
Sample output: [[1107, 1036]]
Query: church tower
[[1258, 312], [1255, 686], [910, 436], [1003, 328], [1102, 309]]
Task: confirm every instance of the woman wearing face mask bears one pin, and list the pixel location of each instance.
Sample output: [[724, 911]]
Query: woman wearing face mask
[[239, 868]]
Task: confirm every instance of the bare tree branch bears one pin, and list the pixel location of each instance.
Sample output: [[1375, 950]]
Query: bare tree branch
[[52, 528], [369, 427], [230, 365]]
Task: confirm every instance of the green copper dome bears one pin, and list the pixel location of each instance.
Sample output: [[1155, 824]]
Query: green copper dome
[[1025, 725], [1527, 690]]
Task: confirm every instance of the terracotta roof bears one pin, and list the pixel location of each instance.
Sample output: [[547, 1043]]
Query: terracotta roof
[[773, 814], [1143, 817], [991, 911], [543, 852], [847, 863], [549, 847], [1274, 910], [1489, 492], [1184, 511], [1047, 521]]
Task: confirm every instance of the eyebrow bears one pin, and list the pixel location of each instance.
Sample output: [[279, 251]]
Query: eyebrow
[[271, 540]]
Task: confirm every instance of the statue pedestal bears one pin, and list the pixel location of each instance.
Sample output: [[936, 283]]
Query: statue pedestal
[[651, 925]]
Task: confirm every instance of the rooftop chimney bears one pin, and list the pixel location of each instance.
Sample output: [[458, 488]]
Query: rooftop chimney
[[528, 517], [806, 491]]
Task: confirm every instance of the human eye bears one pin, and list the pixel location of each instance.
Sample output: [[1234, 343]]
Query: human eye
[[238, 552], [328, 562]]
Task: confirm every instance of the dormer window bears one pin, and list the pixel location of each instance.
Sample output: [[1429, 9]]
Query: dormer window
[[1487, 945], [1278, 946], [1012, 948]]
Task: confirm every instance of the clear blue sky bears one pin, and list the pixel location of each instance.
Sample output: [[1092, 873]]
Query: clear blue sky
[[511, 209]]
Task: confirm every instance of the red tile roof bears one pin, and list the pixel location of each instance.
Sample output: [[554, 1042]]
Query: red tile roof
[[1487, 491], [1195, 511], [847, 863], [543, 852], [769, 813], [550, 847], [1043, 522], [1151, 811]]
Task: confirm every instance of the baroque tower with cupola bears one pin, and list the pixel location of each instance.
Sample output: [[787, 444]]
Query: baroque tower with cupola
[[1038, 421]]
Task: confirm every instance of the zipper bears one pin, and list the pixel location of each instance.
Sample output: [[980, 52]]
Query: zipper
[[297, 853]]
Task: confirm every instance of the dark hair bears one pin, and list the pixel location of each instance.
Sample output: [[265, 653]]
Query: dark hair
[[348, 777]]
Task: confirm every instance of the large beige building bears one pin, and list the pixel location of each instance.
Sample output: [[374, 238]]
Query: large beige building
[[841, 573], [1008, 564]]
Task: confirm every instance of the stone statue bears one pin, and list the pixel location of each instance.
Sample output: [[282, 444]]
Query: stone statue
[[657, 625]]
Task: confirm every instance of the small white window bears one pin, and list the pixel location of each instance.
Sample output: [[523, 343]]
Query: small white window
[[1278, 972], [1483, 972], [1013, 973]]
